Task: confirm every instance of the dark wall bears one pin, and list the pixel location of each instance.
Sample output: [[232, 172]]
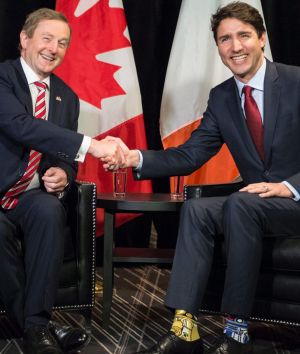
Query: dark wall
[[12, 17], [283, 23]]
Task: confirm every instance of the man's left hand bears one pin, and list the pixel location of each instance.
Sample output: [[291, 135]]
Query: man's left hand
[[267, 190], [55, 180]]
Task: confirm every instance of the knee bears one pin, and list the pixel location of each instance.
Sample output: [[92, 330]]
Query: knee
[[240, 203], [51, 211], [194, 209], [205, 213]]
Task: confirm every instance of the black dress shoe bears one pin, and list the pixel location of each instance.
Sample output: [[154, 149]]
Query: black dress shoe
[[171, 344], [38, 340], [69, 339], [227, 345]]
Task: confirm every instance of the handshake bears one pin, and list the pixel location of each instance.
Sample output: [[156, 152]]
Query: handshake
[[113, 153]]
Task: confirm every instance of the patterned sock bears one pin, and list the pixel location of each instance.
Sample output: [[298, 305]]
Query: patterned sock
[[237, 329], [185, 326]]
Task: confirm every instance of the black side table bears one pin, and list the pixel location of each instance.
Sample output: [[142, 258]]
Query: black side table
[[131, 203]]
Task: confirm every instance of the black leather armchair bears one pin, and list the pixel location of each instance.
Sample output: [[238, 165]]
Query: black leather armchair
[[278, 292], [76, 289]]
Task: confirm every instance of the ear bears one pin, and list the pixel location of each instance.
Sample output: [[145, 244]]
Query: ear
[[23, 39], [263, 40]]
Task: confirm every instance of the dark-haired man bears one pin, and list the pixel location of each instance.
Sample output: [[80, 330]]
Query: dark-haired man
[[256, 113], [39, 148]]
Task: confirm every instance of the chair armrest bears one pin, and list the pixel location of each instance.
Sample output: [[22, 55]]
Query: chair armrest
[[210, 190], [86, 216], [82, 209]]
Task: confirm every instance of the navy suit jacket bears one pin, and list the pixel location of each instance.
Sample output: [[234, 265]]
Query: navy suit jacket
[[56, 138], [224, 122]]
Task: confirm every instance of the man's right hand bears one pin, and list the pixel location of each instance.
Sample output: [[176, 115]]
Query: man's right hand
[[131, 157], [108, 149]]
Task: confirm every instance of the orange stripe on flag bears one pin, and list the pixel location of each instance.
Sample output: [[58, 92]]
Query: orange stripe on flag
[[221, 168], [180, 135]]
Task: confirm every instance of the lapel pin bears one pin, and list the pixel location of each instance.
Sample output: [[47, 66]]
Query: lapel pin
[[58, 98]]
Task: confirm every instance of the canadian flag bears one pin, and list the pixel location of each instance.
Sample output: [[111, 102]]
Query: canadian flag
[[99, 66], [194, 68]]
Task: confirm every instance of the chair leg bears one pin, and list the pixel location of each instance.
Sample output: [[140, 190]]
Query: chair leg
[[87, 314]]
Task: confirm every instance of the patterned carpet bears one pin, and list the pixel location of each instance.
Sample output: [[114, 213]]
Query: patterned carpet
[[139, 317]]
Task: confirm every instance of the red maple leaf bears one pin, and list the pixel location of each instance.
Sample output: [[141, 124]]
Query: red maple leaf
[[98, 30]]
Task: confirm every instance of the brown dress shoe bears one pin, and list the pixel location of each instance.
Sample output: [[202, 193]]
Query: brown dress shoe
[[171, 344]]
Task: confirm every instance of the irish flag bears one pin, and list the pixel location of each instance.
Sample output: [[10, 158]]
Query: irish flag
[[99, 66], [194, 68]]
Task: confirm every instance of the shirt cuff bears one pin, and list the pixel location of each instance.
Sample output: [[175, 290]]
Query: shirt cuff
[[140, 165], [293, 190], [86, 142], [138, 168]]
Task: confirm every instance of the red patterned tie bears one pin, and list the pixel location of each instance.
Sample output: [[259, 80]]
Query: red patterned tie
[[254, 121], [10, 200]]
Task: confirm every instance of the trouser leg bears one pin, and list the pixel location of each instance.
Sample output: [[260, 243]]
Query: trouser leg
[[42, 218], [12, 280], [200, 221], [247, 217]]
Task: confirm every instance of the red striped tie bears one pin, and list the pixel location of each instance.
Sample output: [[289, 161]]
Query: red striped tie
[[10, 200], [254, 121]]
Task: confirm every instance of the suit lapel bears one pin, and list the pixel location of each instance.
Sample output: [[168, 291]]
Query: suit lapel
[[271, 102], [22, 90], [55, 101]]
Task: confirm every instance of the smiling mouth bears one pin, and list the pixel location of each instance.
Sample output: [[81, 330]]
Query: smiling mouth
[[239, 58], [48, 57]]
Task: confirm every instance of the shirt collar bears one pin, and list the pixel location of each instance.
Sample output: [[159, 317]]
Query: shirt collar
[[257, 81], [31, 76]]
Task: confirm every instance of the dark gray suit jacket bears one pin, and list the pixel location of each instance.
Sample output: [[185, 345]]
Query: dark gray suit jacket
[[224, 122], [19, 131]]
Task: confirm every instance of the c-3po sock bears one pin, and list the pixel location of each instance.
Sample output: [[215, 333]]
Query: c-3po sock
[[185, 326]]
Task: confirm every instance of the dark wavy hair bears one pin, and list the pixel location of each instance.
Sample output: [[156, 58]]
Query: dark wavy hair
[[241, 11]]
